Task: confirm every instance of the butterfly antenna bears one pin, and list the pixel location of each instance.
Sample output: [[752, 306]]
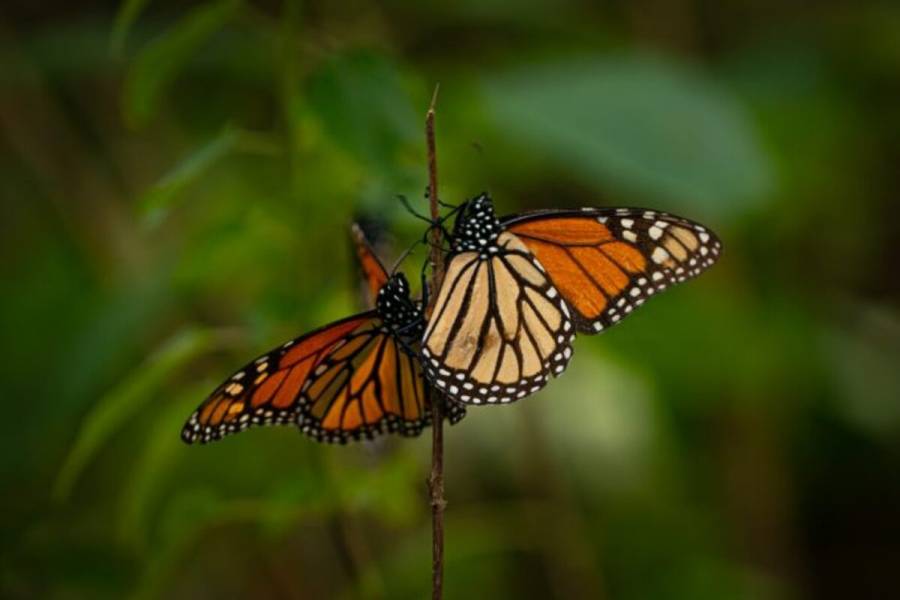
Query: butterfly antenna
[[444, 218], [424, 283], [403, 256]]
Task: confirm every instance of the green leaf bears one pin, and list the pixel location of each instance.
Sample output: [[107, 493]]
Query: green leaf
[[361, 100], [126, 399], [128, 12], [154, 463], [160, 62], [863, 362], [638, 124], [156, 201]]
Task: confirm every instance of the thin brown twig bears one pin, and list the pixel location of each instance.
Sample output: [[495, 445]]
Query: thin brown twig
[[436, 479]]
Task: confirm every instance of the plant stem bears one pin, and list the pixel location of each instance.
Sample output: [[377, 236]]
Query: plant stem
[[436, 479]]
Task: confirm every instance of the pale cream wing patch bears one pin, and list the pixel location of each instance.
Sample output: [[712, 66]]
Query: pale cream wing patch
[[499, 328]]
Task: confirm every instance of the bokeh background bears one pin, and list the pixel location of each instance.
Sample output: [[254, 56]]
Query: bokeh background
[[177, 183]]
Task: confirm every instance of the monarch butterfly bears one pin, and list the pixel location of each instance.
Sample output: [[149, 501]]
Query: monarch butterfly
[[517, 289], [352, 379]]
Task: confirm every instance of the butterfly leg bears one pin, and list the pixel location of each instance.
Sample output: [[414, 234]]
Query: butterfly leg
[[405, 201], [424, 279]]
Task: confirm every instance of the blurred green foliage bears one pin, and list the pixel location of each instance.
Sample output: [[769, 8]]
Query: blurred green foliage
[[174, 177]]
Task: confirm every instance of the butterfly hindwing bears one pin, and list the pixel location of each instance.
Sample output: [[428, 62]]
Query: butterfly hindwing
[[369, 384]]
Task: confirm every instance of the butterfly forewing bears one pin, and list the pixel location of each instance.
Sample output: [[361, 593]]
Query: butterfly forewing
[[607, 262], [373, 272], [267, 390]]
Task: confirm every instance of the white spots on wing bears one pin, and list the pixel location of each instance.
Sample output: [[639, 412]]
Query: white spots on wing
[[627, 223], [629, 235], [659, 255], [655, 232]]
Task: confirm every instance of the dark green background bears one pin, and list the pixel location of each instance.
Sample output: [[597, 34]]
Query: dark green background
[[177, 183]]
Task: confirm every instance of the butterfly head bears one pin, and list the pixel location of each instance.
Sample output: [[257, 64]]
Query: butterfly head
[[394, 304], [477, 226]]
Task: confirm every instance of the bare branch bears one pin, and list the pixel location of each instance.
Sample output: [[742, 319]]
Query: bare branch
[[436, 479]]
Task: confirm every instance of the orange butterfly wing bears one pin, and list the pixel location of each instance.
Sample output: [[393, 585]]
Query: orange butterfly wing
[[607, 262], [368, 384], [267, 390], [373, 271]]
